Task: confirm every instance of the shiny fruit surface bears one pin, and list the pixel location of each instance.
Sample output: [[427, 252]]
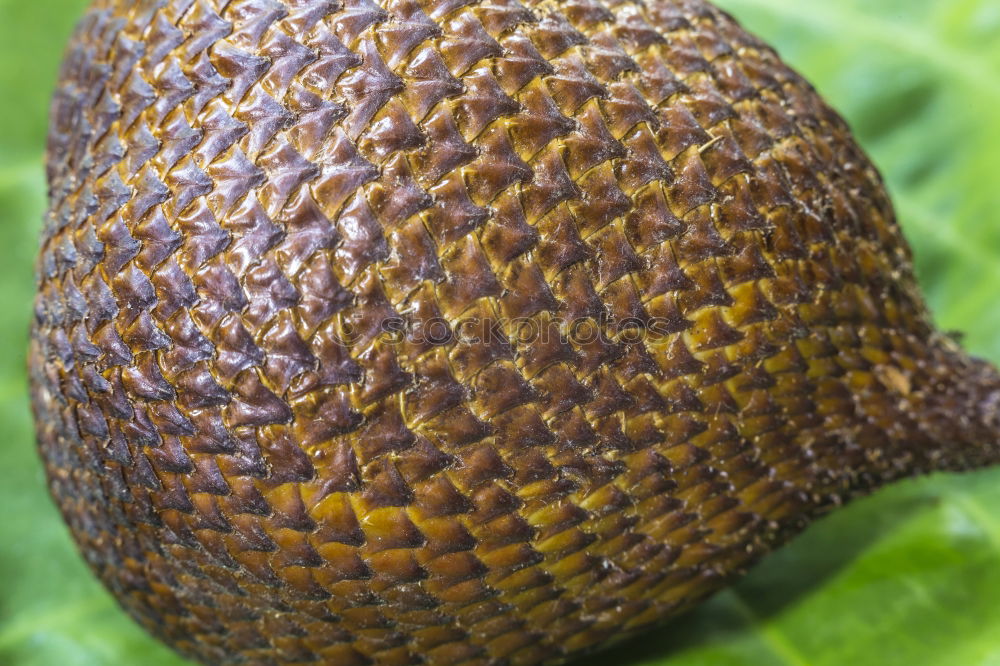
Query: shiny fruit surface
[[462, 332]]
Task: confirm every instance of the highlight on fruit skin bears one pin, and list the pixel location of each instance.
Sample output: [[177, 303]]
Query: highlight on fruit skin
[[462, 331]]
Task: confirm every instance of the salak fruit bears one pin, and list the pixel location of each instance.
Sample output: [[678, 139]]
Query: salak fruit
[[462, 331]]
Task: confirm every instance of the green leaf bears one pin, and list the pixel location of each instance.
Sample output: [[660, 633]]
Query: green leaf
[[909, 576]]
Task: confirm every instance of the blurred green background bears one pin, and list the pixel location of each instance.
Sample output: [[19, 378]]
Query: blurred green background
[[910, 576]]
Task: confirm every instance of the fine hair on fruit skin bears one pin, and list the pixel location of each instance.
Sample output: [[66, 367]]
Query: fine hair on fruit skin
[[470, 332]]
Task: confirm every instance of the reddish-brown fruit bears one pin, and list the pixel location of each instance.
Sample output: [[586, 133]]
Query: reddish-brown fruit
[[462, 331]]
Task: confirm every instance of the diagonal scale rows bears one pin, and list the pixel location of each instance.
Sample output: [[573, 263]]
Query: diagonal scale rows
[[471, 332]]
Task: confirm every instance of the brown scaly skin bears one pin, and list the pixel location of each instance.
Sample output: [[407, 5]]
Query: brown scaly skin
[[245, 195]]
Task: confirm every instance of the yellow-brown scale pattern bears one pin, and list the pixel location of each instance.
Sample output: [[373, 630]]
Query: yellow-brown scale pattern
[[278, 230]]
